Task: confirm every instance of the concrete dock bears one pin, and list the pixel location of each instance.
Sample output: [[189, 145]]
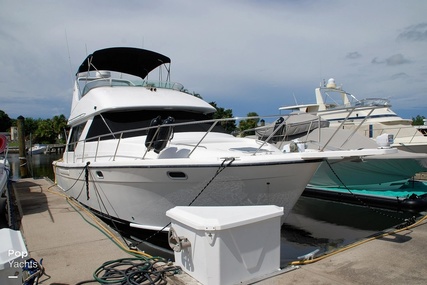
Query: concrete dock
[[72, 249]]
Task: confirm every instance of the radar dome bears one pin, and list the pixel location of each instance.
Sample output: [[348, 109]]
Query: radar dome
[[331, 83]]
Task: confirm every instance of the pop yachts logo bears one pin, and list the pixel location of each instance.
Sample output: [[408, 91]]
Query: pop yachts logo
[[30, 263]]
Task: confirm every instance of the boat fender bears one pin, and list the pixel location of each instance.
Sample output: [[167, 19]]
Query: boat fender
[[414, 201], [163, 135], [3, 143], [278, 124], [149, 140]]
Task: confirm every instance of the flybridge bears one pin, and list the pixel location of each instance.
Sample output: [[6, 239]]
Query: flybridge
[[132, 66], [88, 81], [138, 62]]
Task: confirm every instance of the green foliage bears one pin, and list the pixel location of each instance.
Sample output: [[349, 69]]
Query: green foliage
[[49, 130], [31, 125], [45, 131], [418, 121], [5, 122], [248, 124], [221, 113]]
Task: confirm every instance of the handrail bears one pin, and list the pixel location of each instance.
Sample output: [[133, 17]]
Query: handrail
[[117, 147], [357, 128], [120, 135], [398, 130], [272, 134], [95, 82], [208, 131]]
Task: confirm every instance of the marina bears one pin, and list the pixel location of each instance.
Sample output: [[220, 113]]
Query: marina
[[72, 249], [138, 147], [176, 198], [235, 143]]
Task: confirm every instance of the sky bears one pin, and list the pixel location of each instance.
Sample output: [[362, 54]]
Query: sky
[[248, 56]]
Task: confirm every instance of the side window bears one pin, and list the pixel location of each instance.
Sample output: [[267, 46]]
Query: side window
[[75, 135]]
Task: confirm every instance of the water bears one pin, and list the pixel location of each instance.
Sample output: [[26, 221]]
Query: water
[[39, 165], [326, 225], [312, 224]]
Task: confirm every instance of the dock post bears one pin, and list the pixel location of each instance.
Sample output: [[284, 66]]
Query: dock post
[[22, 155]]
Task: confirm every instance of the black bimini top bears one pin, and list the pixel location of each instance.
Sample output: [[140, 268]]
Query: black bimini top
[[135, 61]]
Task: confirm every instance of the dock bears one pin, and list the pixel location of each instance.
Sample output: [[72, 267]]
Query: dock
[[72, 249]]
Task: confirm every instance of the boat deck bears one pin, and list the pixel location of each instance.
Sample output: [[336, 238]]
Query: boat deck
[[72, 249]]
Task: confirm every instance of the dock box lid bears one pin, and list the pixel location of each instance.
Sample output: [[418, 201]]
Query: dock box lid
[[220, 218]]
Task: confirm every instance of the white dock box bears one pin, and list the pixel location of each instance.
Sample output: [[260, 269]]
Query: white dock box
[[228, 245], [12, 256]]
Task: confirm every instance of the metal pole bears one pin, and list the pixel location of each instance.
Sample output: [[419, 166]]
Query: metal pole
[[22, 155]]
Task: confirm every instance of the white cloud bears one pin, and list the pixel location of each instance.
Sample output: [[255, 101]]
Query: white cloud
[[244, 55], [416, 32]]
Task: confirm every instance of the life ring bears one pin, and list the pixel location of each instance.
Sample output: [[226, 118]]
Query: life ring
[[3, 143]]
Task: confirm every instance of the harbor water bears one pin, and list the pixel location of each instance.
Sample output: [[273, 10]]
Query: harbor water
[[313, 224]]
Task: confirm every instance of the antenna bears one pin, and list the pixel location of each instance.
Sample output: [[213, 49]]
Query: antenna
[[295, 99], [69, 56]]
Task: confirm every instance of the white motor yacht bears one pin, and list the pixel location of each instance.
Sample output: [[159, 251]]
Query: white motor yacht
[[138, 147], [372, 117]]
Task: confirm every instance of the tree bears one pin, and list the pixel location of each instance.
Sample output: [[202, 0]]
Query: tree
[[5, 122], [221, 113], [30, 126], [248, 124], [59, 126], [418, 121], [45, 133]]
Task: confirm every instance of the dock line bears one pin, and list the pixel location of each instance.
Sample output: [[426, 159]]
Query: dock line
[[140, 266], [74, 204]]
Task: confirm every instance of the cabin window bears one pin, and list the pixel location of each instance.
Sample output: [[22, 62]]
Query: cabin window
[[75, 135], [111, 125]]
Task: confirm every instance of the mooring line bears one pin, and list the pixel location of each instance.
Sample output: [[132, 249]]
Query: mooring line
[[407, 221], [218, 171]]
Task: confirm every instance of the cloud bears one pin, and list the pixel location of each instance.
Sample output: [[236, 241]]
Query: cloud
[[414, 33], [244, 55], [375, 60], [401, 75], [353, 55], [396, 59]]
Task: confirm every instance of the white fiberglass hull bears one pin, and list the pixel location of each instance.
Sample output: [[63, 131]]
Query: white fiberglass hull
[[142, 194]]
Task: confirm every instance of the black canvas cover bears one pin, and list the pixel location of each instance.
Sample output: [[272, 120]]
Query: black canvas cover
[[135, 61]]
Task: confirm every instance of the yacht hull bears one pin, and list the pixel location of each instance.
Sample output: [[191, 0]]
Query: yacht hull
[[142, 194]]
